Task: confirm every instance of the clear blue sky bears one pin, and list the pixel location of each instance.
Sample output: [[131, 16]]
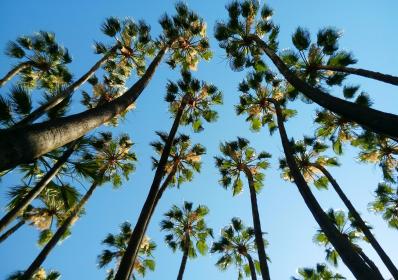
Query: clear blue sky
[[369, 31]]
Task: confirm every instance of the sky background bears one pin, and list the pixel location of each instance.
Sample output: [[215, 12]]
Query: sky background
[[369, 29]]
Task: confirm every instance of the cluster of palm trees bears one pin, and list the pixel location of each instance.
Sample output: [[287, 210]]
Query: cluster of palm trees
[[52, 151]]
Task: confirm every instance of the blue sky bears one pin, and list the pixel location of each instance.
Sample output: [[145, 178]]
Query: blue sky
[[369, 31]]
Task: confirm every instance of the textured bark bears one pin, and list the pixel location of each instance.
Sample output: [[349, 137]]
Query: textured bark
[[11, 231], [361, 223], [258, 233], [184, 259], [389, 79], [36, 190], [374, 120], [129, 257], [252, 267], [54, 101], [23, 144], [14, 71], [36, 264], [342, 245]]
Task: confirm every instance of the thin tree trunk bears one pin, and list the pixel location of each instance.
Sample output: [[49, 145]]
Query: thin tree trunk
[[184, 258], [58, 234], [23, 144], [11, 231], [163, 188], [361, 223], [389, 79], [374, 120], [258, 233], [36, 190], [54, 101], [252, 267], [349, 256], [129, 257], [14, 71]]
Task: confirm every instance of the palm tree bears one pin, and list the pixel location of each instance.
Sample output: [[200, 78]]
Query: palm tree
[[311, 163], [266, 103], [186, 225], [118, 244], [41, 274], [239, 157], [41, 60], [184, 32], [193, 99], [320, 272], [349, 230], [323, 61], [112, 159], [245, 36], [386, 202], [236, 245]]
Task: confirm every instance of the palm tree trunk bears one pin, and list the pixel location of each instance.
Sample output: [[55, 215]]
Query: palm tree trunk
[[251, 266], [14, 71], [58, 234], [183, 263], [361, 224], [67, 92], [389, 79], [349, 256], [22, 144], [36, 190], [258, 233], [11, 231], [374, 120], [163, 188], [129, 257], [369, 261]]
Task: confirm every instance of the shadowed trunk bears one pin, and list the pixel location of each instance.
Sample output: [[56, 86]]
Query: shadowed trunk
[[184, 259], [342, 245], [369, 262], [14, 71], [23, 144], [58, 234], [11, 231], [389, 79], [360, 222], [36, 190], [374, 120], [252, 267], [54, 101], [129, 257], [258, 233]]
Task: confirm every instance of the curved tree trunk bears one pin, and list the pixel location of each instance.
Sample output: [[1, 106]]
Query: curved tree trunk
[[36, 190], [389, 79], [342, 245], [184, 259], [129, 257], [258, 233], [361, 224], [23, 144], [374, 120], [252, 267], [11, 231], [54, 101], [58, 234], [14, 71]]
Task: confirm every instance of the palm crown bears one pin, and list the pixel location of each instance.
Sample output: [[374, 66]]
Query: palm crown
[[187, 225], [320, 272], [235, 244], [386, 202], [41, 274], [239, 157]]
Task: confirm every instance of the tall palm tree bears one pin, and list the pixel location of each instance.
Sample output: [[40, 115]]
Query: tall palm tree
[[268, 102], [386, 202], [112, 159], [184, 32], [236, 245], [193, 99], [118, 245], [248, 33], [185, 226], [348, 229], [41, 274], [311, 163], [41, 60], [238, 157], [320, 272]]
